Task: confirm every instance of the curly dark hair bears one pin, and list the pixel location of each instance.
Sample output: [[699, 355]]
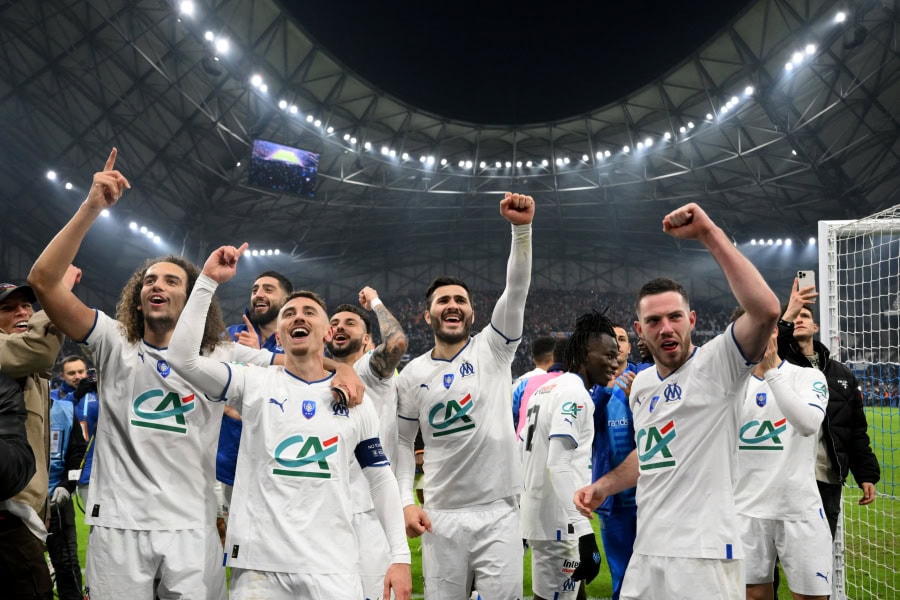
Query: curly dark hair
[[132, 320], [587, 327]]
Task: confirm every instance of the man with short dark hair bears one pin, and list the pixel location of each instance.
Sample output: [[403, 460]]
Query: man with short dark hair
[[541, 355], [67, 447], [844, 445], [29, 344], [351, 336], [458, 393], [522, 393], [267, 296], [686, 415]]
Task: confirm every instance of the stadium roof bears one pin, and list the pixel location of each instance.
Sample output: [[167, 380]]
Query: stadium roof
[[766, 149]]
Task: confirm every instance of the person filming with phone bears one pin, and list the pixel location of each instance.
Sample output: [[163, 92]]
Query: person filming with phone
[[843, 440]]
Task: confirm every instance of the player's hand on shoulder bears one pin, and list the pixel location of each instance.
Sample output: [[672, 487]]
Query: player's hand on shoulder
[[221, 265], [348, 388], [108, 185], [399, 579], [417, 521], [688, 222], [518, 209]]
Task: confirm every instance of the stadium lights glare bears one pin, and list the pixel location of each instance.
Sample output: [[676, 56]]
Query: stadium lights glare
[[528, 164], [770, 242], [640, 145], [264, 89], [310, 118], [353, 140], [626, 149], [330, 129], [461, 164], [648, 142], [498, 164], [186, 8], [508, 164], [667, 136], [346, 137], [209, 36], [518, 164], [607, 154], [794, 152], [317, 123], [810, 49], [256, 80], [779, 242], [559, 162], [690, 124], [789, 67], [840, 17], [812, 241], [384, 150], [282, 104], [429, 160], [788, 242], [157, 239], [797, 58], [222, 45], [545, 163], [133, 226], [237, 164], [748, 91], [367, 145], [405, 156], [468, 164], [482, 165], [143, 229], [393, 154], [443, 162], [422, 159], [294, 109], [51, 175], [709, 117], [69, 185], [682, 129], [566, 160], [753, 242], [599, 156]]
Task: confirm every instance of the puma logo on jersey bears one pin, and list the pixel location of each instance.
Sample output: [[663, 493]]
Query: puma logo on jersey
[[825, 577], [278, 404]]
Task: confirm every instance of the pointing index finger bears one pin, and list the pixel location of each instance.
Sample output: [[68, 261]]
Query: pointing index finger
[[243, 247], [247, 323], [111, 161]]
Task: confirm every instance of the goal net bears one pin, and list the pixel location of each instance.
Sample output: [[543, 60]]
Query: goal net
[[859, 263]]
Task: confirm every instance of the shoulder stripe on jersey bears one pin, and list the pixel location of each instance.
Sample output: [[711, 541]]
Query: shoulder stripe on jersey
[[227, 384], [503, 335], [563, 435], [93, 327]]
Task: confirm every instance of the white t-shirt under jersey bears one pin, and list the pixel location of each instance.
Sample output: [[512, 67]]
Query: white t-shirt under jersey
[[297, 447], [776, 464], [463, 407], [155, 449], [383, 395], [561, 407], [686, 434]]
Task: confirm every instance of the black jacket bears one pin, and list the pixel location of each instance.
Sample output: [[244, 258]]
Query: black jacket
[[845, 429], [16, 458]]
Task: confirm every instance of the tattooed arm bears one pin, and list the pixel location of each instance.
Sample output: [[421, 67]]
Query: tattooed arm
[[388, 354]]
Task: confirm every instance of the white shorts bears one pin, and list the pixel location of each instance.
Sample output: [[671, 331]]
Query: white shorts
[[552, 565], [247, 584], [804, 548], [123, 563], [478, 549], [374, 553], [673, 578]]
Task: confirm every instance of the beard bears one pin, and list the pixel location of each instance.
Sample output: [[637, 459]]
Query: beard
[[260, 320], [352, 347], [160, 324], [451, 338]]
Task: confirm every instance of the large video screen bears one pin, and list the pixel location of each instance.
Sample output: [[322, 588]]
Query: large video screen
[[283, 169]]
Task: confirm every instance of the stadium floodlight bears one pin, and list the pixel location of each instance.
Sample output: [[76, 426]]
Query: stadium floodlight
[[840, 17], [770, 242], [150, 234], [237, 164], [346, 137], [186, 8], [294, 109], [385, 150], [330, 129], [482, 165], [367, 145], [788, 242], [779, 242], [282, 104], [607, 154], [626, 149], [810, 49], [599, 155], [429, 160], [468, 164], [264, 89], [254, 252], [256, 80], [690, 124], [422, 159], [545, 163], [143, 229], [789, 67], [222, 45], [585, 158], [724, 109], [518, 164], [648, 142], [794, 152], [443, 162], [353, 140], [277, 251], [667, 136], [393, 154], [317, 123], [748, 91], [51, 175], [157, 239], [209, 36], [405, 156], [270, 252], [498, 164], [133, 226], [640, 145], [69, 185], [528, 164], [559, 162], [797, 57], [461, 164], [734, 100], [709, 117], [508, 164], [812, 241], [753, 242], [566, 160]]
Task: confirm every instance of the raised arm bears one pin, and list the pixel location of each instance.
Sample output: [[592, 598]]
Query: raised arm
[[209, 376], [753, 328], [388, 354], [50, 277], [509, 313]]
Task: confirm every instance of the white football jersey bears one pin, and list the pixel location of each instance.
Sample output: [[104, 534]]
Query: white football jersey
[[383, 395], [464, 409], [776, 465], [297, 447], [560, 407], [155, 447], [686, 434]]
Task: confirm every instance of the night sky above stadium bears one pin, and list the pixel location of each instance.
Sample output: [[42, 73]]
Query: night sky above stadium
[[511, 62]]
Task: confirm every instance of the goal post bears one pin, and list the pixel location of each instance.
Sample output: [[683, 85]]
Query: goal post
[[859, 300]]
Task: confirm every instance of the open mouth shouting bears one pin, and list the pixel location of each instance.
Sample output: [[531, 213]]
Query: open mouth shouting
[[299, 333], [261, 306], [157, 300], [21, 326]]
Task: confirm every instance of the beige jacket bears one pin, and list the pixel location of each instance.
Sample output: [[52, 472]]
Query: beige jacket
[[24, 357]]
